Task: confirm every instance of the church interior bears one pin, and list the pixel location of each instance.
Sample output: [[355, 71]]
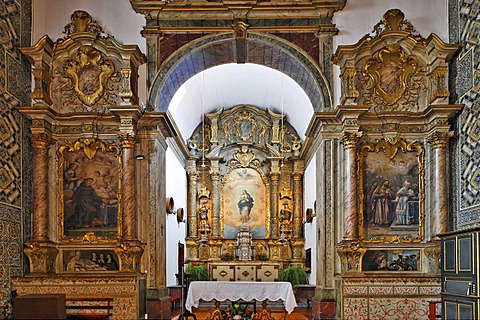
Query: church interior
[[146, 144]]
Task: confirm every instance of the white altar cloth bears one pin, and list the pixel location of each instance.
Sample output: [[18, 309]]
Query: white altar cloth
[[240, 290]]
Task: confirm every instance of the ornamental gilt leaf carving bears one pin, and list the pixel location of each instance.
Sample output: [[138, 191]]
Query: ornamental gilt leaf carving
[[89, 73], [390, 72]]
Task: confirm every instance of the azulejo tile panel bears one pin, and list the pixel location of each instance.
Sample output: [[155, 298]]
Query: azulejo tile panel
[[465, 85], [14, 90], [389, 299], [398, 308], [355, 308]]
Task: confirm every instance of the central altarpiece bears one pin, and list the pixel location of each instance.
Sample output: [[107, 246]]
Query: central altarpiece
[[245, 194]]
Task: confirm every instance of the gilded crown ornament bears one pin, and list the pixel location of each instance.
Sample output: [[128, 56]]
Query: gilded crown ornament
[[286, 193], [203, 193]]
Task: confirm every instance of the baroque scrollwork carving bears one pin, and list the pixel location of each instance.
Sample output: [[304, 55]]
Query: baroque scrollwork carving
[[89, 72], [81, 21], [90, 146], [244, 158], [42, 257], [394, 19], [129, 255], [245, 124], [390, 73], [351, 256], [433, 256]]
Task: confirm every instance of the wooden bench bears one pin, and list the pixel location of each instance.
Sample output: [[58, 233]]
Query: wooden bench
[[101, 308]]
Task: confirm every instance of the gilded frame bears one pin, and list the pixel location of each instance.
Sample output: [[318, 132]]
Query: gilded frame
[[96, 160], [392, 260], [83, 260], [262, 207], [384, 169]]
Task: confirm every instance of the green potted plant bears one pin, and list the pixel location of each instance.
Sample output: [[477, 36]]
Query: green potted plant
[[197, 272], [294, 274]]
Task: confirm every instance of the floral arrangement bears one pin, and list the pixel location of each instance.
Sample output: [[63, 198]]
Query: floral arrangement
[[226, 257], [240, 311]]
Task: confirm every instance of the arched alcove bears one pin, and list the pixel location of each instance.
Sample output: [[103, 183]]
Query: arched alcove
[[266, 50]]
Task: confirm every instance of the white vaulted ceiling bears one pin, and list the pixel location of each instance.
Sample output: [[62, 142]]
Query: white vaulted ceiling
[[228, 85]]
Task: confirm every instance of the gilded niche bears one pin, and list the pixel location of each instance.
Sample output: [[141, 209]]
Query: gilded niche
[[394, 68]]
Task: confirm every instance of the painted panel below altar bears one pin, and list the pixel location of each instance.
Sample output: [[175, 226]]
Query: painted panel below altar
[[251, 271]]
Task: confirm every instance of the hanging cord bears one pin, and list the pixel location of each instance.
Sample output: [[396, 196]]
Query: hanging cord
[[282, 127]]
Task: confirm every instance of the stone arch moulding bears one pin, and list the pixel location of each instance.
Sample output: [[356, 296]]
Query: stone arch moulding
[[266, 50]]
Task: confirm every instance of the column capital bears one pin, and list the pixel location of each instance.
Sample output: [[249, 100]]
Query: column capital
[[41, 140], [439, 139], [127, 139], [350, 139]]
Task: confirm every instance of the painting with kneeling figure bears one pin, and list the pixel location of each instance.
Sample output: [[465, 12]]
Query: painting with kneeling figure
[[391, 260], [89, 185], [90, 260]]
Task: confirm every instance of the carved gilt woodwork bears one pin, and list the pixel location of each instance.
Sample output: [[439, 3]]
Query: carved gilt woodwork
[[247, 152], [84, 107]]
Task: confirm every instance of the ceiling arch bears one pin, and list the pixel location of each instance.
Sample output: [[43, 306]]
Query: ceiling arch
[[232, 84], [261, 49]]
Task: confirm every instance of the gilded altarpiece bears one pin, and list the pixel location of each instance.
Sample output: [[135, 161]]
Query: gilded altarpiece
[[84, 113], [393, 131], [246, 175]]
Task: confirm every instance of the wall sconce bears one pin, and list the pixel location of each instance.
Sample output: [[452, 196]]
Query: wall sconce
[[170, 205], [180, 215], [309, 215]]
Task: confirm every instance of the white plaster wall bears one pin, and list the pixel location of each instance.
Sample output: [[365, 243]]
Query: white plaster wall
[[310, 187], [177, 189], [360, 16], [116, 17]]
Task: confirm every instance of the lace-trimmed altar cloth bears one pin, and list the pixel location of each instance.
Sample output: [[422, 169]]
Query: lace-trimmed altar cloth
[[240, 290]]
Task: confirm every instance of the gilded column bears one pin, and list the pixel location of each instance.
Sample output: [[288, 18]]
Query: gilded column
[[350, 140], [128, 185], [40, 186], [40, 250], [274, 195], [298, 169], [439, 141], [192, 199], [215, 176]]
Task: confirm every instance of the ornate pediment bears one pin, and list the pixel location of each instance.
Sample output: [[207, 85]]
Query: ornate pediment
[[394, 69], [85, 71], [245, 125]]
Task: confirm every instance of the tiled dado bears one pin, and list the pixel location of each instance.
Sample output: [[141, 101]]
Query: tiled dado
[[388, 300], [126, 290]]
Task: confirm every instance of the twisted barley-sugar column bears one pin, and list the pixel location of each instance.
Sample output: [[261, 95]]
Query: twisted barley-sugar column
[[128, 181], [350, 140], [40, 186], [439, 141], [192, 203], [275, 178]]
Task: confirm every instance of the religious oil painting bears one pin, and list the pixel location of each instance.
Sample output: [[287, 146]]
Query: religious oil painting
[[391, 260], [391, 191], [89, 260], [89, 188], [244, 203]]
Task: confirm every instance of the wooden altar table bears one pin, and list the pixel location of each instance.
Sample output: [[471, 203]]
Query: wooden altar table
[[240, 290]]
